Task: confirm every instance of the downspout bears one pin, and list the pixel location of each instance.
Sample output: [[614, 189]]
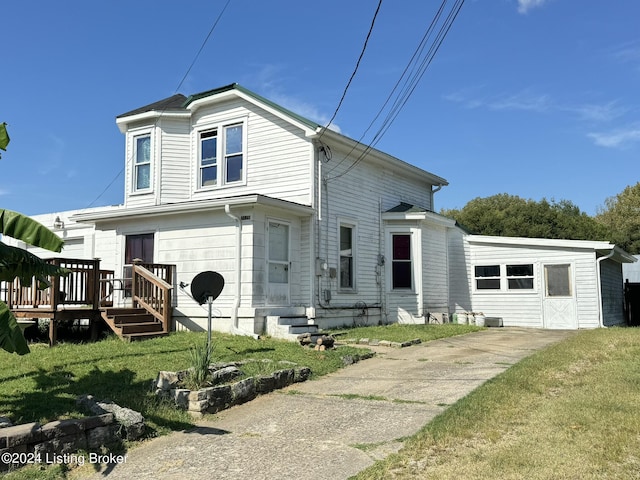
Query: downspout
[[433, 191], [236, 302], [599, 285]]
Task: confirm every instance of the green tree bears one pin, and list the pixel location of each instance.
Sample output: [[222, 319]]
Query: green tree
[[512, 216], [620, 215], [18, 263]]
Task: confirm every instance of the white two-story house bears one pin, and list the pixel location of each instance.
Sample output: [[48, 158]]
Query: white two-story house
[[305, 224], [310, 227]]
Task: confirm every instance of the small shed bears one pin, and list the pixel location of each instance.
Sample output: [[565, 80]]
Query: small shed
[[546, 283]]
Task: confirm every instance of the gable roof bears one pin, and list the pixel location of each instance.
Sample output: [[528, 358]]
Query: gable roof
[[181, 106]]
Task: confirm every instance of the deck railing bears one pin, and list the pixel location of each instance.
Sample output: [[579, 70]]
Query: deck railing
[[151, 289], [78, 287]]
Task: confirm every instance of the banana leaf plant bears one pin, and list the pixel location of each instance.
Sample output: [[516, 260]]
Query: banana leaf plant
[[18, 263]]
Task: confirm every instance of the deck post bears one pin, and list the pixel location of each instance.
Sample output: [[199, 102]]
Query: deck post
[[53, 333]]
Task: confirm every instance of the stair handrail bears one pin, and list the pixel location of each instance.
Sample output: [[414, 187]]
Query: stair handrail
[[152, 293]]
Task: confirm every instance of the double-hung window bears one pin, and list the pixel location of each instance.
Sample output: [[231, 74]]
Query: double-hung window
[[347, 250], [487, 277], [208, 158], [221, 155], [520, 277], [142, 163]]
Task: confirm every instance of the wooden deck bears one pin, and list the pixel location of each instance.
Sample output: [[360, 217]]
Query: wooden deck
[[87, 293]]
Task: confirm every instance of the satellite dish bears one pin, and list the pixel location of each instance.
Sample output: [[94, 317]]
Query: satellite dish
[[206, 286]]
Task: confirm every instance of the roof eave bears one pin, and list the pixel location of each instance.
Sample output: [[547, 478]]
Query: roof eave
[[193, 207], [123, 122], [381, 157]]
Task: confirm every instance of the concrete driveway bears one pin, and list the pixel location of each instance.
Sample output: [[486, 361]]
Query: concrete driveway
[[336, 426]]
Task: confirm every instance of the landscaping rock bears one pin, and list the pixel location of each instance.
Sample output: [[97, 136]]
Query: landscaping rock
[[220, 398], [5, 422], [243, 391], [225, 374], [265, 384], [301, 374], [131, 421], [102, 436], [284, 378]]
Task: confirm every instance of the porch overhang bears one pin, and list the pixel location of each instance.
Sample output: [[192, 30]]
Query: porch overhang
[[297, 209]]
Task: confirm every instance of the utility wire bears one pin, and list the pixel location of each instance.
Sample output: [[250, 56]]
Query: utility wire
[[353, 74], [417, 72], [193, 62], [419, 49]]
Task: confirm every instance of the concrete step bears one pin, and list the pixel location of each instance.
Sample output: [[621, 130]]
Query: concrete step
[[298, 329]]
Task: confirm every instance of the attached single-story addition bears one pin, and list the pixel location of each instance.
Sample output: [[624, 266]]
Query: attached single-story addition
[[543, 283]]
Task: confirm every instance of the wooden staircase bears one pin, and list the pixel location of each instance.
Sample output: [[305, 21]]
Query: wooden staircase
[[132, 323], [151, 313]]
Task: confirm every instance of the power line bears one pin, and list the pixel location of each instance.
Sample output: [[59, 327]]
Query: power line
[[193, 62], [353, 74], [418, 65]]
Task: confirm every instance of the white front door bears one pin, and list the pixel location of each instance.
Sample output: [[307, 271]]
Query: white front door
[[559, 303], [278, 263]]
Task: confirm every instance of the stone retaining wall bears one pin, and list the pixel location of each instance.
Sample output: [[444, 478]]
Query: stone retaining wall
[[63, 437], [219, 397], [60, 440]]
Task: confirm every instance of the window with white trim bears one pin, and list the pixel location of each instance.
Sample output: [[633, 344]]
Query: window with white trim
[[487, 277], [401, 262], [510, 277], [347, 256], [142, 163], [221, 156], [520, 277]]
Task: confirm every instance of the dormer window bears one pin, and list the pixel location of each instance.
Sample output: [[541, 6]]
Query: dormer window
[[221, 156], [142, 163]]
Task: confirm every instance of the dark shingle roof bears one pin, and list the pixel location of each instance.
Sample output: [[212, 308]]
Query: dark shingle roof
[[407, 208], [180, 102], [175, 102]]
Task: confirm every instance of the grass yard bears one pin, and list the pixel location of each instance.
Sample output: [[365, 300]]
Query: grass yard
[[402, 333], [567, 412], [43, 385]]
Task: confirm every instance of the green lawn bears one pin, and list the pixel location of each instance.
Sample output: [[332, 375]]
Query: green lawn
[[402, 333], [567, 412], [43, 385]]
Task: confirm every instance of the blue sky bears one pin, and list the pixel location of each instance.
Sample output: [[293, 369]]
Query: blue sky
[[536, 98]]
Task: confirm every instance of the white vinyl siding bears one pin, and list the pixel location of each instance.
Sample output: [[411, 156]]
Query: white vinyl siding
[[435, 268], [460, 281], [524, 307], [277, 157], [175, 184]]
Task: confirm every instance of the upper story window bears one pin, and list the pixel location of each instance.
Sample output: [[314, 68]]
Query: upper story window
[[142, 162], [221, 156], [208, 158]]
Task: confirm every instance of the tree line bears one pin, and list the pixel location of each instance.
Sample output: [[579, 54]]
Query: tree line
[[617, 221]]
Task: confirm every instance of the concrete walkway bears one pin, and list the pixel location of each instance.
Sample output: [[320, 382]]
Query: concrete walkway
[[336, 426]]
